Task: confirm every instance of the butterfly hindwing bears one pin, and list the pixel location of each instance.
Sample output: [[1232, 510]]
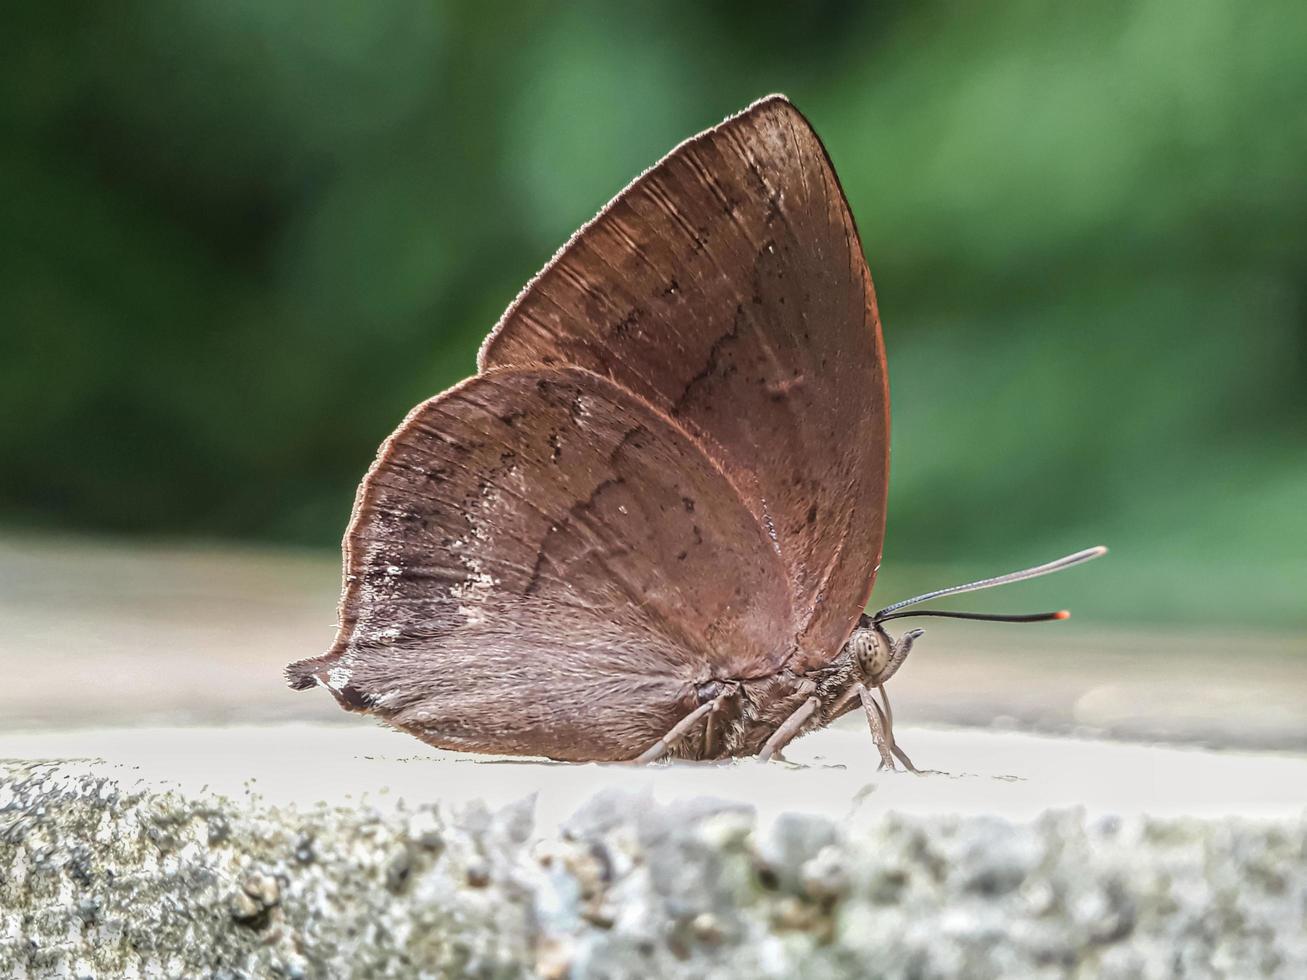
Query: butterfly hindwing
[[539, 562]]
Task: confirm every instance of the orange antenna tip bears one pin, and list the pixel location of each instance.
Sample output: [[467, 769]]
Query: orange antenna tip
[[1062, 614]]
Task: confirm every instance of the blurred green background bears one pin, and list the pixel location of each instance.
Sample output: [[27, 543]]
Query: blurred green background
[[242, 238]]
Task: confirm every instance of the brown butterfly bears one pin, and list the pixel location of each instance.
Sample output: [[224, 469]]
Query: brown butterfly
[[650, 524]]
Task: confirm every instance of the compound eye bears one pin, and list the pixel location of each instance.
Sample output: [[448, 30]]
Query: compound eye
[[881, 651]]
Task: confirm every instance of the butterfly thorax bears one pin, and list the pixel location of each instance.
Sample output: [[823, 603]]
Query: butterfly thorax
[[758, 706]]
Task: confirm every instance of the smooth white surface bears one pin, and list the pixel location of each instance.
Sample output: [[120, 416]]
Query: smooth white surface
[[831, 772]]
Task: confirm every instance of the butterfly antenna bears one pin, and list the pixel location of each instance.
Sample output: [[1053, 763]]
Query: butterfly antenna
[[986, 617], [891, 612]]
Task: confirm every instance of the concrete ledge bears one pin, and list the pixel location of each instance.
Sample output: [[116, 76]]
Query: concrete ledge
[[112, 871]]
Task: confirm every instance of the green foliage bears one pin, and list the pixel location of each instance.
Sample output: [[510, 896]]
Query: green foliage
[[242, 239]]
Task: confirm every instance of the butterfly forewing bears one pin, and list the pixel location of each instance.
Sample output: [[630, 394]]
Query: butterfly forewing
[[727, 287], [541, 563]]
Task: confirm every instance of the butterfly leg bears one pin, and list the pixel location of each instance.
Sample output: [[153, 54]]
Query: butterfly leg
[[889, 730], [665, 744], [788, 729], [712, 729], [879, 724], [882, 730]]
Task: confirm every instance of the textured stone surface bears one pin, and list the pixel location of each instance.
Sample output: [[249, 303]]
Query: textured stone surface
[[105, 873]]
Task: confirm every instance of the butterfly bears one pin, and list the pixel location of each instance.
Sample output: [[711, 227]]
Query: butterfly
[[650, 523]]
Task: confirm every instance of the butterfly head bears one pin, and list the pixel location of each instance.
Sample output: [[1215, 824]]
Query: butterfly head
[[876, 654]]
